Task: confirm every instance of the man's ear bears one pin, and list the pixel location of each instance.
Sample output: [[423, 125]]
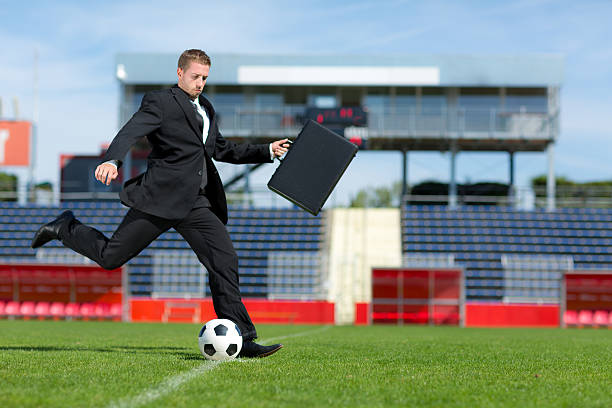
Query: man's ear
[[179, 72]]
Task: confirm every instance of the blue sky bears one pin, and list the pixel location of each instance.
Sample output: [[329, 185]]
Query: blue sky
[[77, 42]]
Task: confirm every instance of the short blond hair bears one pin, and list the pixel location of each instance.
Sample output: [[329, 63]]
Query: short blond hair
[[189, 56]]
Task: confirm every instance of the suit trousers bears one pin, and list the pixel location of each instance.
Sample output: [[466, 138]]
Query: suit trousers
[[202, 230]]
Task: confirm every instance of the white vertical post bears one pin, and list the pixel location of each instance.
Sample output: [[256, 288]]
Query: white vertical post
[[404, 174], [22, 191], [16, 113], [550, 180], [34, 131], [31, 182], [4, 136], [452, 187]]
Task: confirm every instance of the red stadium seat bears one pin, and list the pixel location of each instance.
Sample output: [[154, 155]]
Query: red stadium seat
[[88, 311], [570, 317], [600, 318], [610, 320], [42, 310], [116, 311], [102, 310], [56, 311], [11, 309], [585, 318], [2, 304], [72, 310], [26, 310]]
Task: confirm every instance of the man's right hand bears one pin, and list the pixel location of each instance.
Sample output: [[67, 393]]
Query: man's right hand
[[106, 172]]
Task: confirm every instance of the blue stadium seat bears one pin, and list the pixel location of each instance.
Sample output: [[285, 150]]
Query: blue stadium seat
[[478, 236], [255, 232]]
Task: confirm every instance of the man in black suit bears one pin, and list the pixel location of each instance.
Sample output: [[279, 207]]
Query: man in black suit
[[181, 189]]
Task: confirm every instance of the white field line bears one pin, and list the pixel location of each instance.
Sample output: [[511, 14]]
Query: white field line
[[299, 334], [168, 385], [172, 383]]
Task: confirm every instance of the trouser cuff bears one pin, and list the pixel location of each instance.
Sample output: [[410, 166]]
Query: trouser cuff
[[249, 335]]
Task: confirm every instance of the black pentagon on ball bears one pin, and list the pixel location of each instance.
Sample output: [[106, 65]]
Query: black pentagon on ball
[[202, 331], [231, 349], [221, 330], [209, 349]]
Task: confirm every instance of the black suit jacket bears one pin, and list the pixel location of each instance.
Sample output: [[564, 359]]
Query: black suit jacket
[[170, 186]]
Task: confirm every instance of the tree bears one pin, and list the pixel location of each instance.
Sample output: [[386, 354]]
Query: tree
[[540, 181], [569, 188], [45, 185], [572, 193], [8, 187], [377, 197]]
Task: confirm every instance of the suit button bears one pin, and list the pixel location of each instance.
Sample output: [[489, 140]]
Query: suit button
[[200, 173]]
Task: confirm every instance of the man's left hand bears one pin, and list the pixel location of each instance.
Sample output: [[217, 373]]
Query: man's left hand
[[280, 147]]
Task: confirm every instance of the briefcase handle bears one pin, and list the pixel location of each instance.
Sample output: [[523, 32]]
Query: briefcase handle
[[290, 143]]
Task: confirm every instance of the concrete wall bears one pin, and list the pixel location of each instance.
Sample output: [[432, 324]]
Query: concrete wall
[[358, 240]]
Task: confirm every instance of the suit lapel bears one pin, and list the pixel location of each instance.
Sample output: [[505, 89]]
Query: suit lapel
[[187, 108]]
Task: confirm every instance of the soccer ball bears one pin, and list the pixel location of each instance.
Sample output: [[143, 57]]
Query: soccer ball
[[220, 339]]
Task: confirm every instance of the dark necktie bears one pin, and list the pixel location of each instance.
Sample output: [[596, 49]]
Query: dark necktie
[[199, 118], [200, 121]]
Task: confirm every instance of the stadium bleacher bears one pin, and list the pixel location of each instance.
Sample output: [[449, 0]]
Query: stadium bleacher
[[281, 251], [256, 235], [480, 236]]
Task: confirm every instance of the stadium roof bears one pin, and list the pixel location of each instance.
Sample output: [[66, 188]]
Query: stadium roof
[[528, 70]]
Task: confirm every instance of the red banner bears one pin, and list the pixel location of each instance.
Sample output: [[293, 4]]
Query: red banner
[[511, 315], [416, 295], [588, 290], [260, 310], [15, 143]]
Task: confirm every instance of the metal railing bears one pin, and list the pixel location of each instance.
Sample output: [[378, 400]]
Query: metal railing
[[463, 123], [241, 120], [580, 196], [524, 198], [534, 278], [529, 202]]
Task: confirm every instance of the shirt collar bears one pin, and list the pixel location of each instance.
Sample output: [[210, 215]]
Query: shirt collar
[[205, 106], [184, 93]]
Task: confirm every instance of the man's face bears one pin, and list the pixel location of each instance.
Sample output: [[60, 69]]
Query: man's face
[[193, 78]]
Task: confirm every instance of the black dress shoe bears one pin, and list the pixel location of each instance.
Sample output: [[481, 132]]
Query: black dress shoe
[[51, 230], [250, 349]]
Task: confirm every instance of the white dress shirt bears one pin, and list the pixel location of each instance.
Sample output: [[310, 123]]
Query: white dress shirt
[[204, 115]]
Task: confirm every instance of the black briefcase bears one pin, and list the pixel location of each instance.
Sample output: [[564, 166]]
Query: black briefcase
[[312, 167]]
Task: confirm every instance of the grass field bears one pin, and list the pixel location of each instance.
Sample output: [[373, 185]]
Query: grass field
[[60, 364]]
